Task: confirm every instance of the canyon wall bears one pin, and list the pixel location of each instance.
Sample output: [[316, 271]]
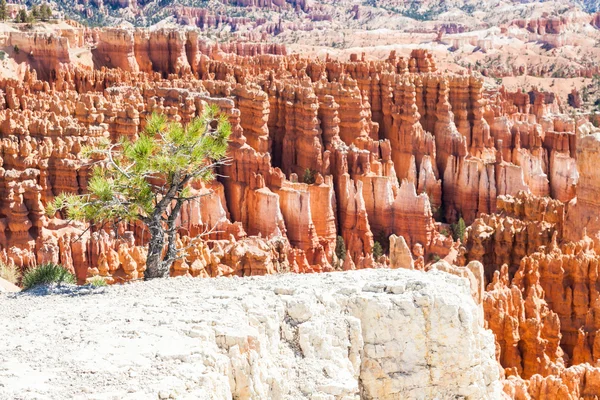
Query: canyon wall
[[542, 299], [373, 147]]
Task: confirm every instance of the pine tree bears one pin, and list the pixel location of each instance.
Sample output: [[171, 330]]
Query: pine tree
[[3, 10], [21, 16], [459, 229], [377, 250], [309, 176], [30, 18], [35, 12], [340, 248], [148, 180], [45, 12]]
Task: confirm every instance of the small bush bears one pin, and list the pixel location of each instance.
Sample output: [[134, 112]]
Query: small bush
[[16, 49], [97, 281], [340, 248], [10, 273], [384, 241], [435, 258], [309, 176], [46, 274], [458, 230], [377, 250]]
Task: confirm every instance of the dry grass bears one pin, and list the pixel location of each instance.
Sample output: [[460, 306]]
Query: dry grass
[[10, 272], [97, 281]]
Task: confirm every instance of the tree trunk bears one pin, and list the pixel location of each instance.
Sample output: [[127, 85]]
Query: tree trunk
[[158, 266], [155, 267]]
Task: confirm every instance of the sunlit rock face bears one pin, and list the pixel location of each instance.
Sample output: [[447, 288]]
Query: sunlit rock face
[[342, 335]]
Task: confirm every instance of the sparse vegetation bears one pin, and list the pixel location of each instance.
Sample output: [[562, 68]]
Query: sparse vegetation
[[45, 12], [458, 230], [3, 10], [35, 12], [384, 241], [340, 248], [24, 17], [46, 274], [21, 16], [585, 94], [377, 250], [10, 272], [469, 9], [41, 12], [436, 211], [309, 176], [97, 281]]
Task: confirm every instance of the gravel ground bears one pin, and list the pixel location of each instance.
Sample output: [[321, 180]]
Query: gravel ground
[[179, 337]]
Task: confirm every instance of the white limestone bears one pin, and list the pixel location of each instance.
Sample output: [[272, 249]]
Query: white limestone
[[370, 334]]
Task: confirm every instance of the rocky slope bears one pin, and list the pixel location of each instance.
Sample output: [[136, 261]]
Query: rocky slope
[[374, 334]]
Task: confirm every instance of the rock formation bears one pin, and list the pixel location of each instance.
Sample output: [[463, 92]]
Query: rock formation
[[583, 216], [372, 148], [386, 154], [337, 336], [541, 298]]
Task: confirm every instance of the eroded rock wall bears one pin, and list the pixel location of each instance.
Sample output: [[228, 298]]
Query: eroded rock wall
[[542, 299], [373, 148]]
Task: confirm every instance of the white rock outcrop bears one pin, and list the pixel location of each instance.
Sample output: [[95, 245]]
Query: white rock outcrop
[[369, 334], [7, 287]]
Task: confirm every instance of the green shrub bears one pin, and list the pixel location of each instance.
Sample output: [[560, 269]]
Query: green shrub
[[458, 230], [340, 248], [96, 281], [377, 250], [46, 274], [16, 49], [435, 257], [384, 241], [309, 176], [10, 272]]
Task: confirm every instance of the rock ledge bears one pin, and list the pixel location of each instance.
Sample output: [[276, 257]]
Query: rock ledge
[[371, 334]]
